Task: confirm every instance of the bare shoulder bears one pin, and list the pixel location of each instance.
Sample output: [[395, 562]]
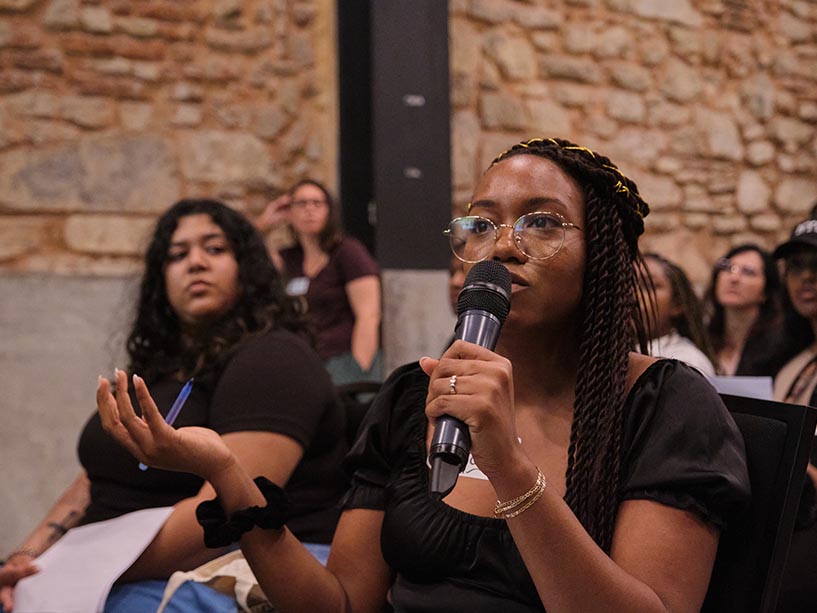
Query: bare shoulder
[[638, 364]]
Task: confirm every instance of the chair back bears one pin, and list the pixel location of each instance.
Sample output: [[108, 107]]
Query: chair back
[[752, 551]]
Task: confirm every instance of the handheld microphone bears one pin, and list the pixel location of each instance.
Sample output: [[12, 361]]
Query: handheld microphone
[[482, 306]]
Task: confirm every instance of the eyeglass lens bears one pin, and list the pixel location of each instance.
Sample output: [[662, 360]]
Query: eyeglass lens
[[537, 235], [725, 265], [304, 203]]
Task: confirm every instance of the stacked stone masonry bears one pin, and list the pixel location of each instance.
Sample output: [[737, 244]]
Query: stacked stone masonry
[[111, 110], [709, 105]]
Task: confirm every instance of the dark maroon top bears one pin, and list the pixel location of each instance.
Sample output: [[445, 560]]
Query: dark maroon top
[[329, 310]]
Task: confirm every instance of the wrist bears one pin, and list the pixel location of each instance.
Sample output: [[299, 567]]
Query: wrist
[[263, 226], [513, 477], [230, 472], [27, 552], [221, 529], [509, 509]]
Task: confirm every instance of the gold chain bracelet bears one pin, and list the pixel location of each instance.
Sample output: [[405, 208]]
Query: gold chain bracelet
[[512, 508]]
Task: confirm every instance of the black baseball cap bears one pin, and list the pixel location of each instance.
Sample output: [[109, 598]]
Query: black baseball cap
[[803, 235]]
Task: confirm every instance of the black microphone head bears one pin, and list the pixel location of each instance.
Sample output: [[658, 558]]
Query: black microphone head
[[488, 288]]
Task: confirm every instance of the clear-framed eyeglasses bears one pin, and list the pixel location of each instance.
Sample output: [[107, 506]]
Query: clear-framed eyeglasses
[[726, 265], [537, 235]]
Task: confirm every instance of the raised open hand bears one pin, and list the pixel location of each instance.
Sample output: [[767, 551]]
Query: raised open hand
[[274, 214], [196, 450]]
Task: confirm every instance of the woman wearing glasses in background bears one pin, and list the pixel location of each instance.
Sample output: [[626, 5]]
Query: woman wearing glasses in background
[[743, 300], [594, 450], [337, 277]]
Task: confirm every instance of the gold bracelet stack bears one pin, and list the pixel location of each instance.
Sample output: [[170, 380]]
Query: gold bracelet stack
[[520, 504]]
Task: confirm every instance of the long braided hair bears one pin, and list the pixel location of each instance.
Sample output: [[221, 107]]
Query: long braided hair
[[611, 325], [155, 344]]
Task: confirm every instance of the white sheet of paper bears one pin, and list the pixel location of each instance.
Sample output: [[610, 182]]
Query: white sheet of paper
[[78, 571], [752, 387]]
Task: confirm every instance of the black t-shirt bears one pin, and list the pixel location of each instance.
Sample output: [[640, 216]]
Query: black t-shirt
[[273, 383], [681, 448]]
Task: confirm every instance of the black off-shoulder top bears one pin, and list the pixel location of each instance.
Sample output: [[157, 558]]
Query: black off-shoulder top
[[681, 449]]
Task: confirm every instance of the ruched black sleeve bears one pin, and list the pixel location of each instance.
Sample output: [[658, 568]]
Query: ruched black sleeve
[[390, 425], [681, 445]]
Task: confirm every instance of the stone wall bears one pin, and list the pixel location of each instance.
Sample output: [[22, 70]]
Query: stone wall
[[709, 105], [111, 110]]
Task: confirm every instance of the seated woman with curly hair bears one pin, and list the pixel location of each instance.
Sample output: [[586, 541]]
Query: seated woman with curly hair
[[211, 306]]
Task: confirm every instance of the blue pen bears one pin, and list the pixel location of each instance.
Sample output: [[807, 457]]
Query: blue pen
[[173, 413]]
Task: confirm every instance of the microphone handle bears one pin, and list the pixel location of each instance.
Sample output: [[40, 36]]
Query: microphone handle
[[479, 327], [451, 443]]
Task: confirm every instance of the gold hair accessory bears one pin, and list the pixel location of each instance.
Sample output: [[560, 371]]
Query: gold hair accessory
[[621, 188], [591, 153], [635, 203]]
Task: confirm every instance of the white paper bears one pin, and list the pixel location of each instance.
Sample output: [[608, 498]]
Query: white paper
[[78, 571], [752, 387]]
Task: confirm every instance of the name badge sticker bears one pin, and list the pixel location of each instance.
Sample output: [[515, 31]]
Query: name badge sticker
[[298, 286]]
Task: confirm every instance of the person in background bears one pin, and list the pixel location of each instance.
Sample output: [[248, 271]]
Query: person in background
[[797, 380], [210, 306], [456, 277], [796, 383], [677, 328], [608, 504], [743, 301], [336, 275]]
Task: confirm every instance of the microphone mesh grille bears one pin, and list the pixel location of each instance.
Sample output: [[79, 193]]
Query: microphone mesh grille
[[487, 287]]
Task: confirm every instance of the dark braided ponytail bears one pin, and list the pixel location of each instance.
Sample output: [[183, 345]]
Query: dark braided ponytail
[[611, 326]]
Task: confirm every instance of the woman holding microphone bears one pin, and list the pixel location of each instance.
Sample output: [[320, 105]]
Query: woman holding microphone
[[590, 496]]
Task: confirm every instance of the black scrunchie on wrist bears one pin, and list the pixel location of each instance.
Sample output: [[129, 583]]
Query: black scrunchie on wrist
[[219, 530]]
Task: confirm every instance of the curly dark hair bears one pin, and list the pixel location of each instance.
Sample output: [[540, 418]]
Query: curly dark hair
[[612, 322], [770, 309], [331, 234], [155, 345], [690, 323]]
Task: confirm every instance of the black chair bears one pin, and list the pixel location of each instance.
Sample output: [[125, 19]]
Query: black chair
[[356, 398], [752, 552]]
